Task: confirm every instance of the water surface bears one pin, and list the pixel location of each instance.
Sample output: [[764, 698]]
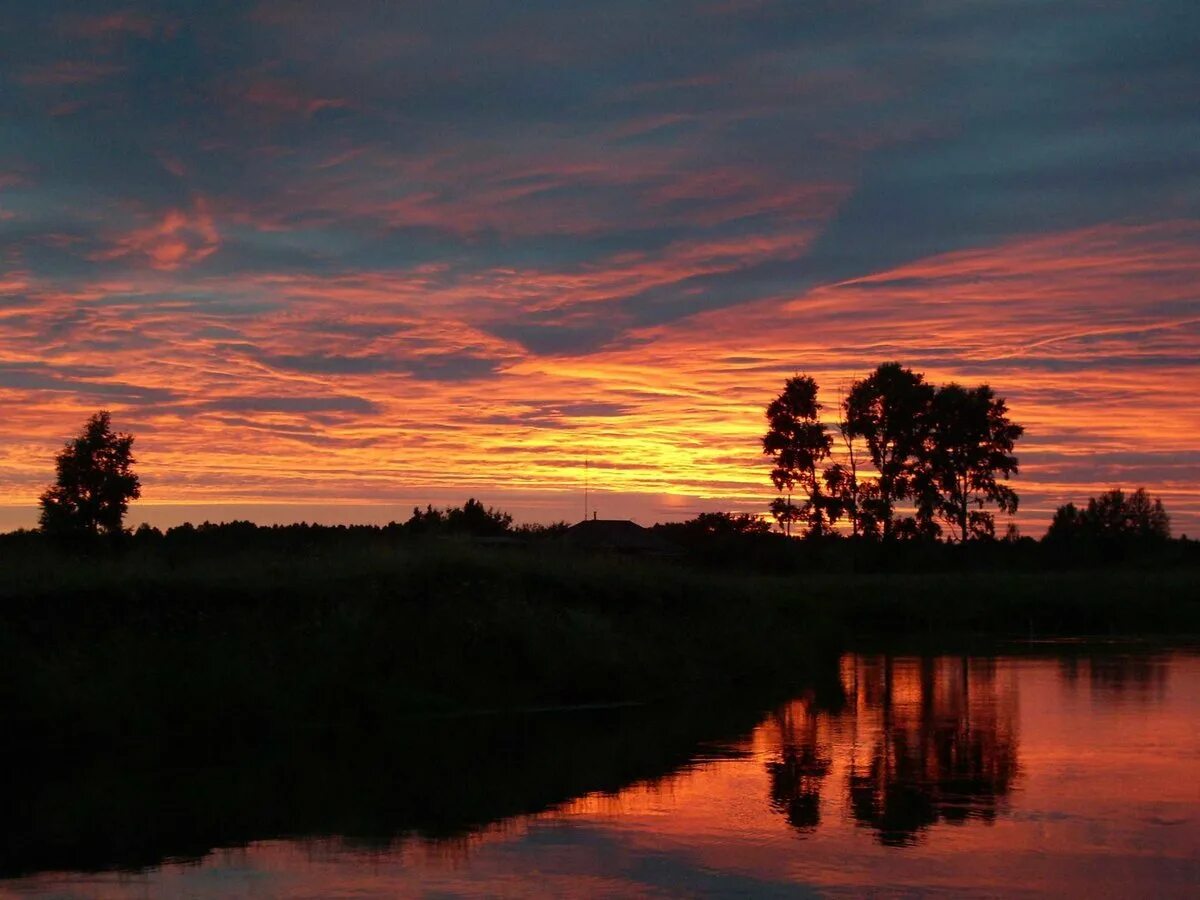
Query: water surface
[[1064, 771]]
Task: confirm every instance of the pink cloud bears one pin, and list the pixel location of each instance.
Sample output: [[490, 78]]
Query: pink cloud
[[182, 238], [279, 95], [109, 25], [70, 72]]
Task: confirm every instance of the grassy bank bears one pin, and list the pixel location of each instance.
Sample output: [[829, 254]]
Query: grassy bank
[[240, 643], [234, 642]]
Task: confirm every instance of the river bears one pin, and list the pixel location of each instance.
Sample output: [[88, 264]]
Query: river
[[1039, 770]]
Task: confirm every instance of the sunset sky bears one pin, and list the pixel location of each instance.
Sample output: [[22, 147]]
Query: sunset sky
[[330, 260]]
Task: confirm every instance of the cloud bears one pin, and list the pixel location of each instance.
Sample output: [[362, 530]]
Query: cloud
[[560, 416], [70, 72], [555, 339], [34, 377], [279, 95], [181, 238], [425, 367], [319, 404], [108, 25]]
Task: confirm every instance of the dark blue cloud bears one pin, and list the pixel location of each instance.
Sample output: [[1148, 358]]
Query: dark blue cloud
[[480, 135], [428, 367], [316, 404], [84, 382], [559, 415]]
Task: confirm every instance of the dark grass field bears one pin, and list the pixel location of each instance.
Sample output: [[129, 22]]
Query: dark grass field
[[236, 641]]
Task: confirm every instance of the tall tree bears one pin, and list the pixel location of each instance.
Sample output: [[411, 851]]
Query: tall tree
[[889, 409], [94, 482], [797, 442], [967, 452], [844, 489]]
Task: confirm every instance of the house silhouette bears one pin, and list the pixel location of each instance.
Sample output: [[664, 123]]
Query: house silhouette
[[618, 536]]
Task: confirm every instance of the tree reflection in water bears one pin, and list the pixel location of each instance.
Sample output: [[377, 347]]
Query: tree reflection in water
[[1141, 675], [927, 741], [805, 760]]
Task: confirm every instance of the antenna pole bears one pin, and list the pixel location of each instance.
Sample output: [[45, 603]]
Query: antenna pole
[[587, 464]]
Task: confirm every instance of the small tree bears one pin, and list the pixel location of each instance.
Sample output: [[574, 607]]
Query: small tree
[[969, 448], [475, 519], [726, 524], [1112, 518], [94, 484], [1136, 515], [797, 443], [1066, 524], [471, 518], [427, 521]]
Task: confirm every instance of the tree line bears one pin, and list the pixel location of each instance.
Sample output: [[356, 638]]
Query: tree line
[[1112, 518], [938, 456]]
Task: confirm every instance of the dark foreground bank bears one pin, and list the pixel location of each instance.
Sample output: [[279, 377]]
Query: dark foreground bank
[[234, 643], [441, 777]]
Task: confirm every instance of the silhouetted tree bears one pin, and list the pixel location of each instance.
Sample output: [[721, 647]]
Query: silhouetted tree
[[94, 483], [840, 495], [969, 447], [797, 442], [1066, 524], [425, 521], [889, 409], [1112, 517], [1135, 514], [473, 518], [723, 523], [845, 491], [786, 513], [539, 530]]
